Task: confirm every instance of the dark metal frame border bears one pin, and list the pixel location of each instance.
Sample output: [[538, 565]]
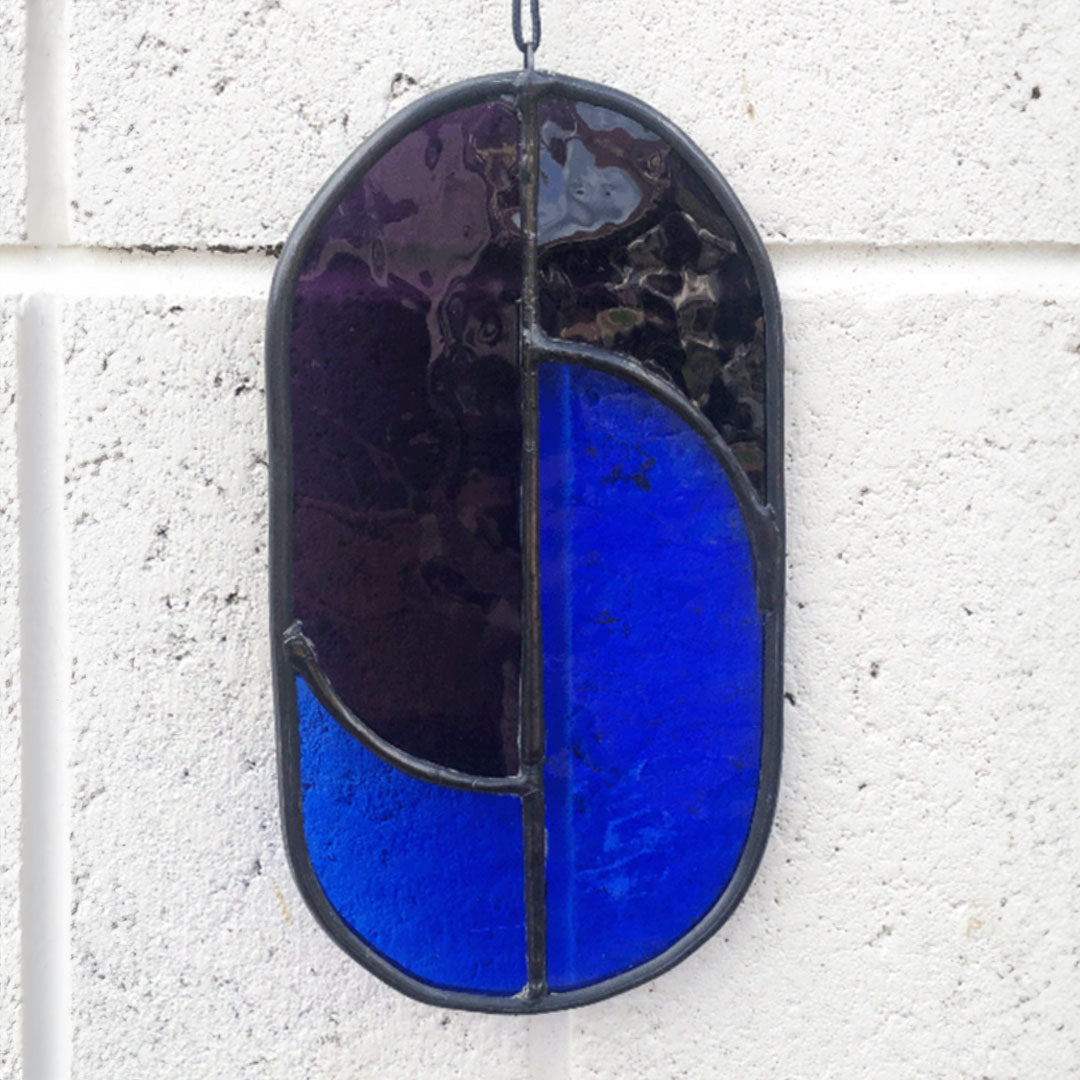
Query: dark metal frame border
[[765, 525]]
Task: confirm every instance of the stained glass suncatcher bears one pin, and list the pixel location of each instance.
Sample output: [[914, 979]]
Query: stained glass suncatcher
[[524, 382]]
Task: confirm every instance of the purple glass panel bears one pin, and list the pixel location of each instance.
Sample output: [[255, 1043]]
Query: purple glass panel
[[637, 256], [406, 442]]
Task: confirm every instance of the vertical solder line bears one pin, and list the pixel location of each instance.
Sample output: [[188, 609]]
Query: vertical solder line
[[532, 676]]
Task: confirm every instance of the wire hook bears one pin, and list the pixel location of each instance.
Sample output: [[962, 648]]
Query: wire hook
[[528, 48]]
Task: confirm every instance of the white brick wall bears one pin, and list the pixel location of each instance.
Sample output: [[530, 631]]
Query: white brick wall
[[917, 913], [10, 742], [12, 132]]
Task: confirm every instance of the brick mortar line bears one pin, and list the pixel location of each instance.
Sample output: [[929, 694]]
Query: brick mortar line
[[775, 246], [44, 674], [48, 134], [810, 268], [928, 268], [549, 1040], [45, 889]]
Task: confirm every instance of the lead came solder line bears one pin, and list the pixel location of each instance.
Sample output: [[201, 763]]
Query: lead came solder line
[[303, 658], [532, 684]]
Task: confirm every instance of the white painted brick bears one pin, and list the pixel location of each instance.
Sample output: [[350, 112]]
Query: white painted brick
[[912, 917], [884, 122], [915, 915], [12, 145], [881, 121], [193, 953], [10, 742], [202, 123]]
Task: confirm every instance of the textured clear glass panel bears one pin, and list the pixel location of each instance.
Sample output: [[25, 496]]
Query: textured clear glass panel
[[637, 256], [652, 674], [432, 877], [406, 442]]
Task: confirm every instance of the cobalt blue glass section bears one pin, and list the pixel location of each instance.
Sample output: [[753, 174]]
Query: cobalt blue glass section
[[652, 674], [431, 876]]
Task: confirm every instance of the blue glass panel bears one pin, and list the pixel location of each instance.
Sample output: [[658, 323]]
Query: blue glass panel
[[652, 674], [431, 876]]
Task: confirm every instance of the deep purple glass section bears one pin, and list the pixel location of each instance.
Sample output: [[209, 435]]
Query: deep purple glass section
[[637, 256], [406, 442]]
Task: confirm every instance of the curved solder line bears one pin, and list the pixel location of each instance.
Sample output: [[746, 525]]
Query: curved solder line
[[759, 519], [302, 656], [549, 84]]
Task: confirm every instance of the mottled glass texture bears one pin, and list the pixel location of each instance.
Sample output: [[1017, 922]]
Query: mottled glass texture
[[637, 256], [431, 876], [652, 674], [406, 442]]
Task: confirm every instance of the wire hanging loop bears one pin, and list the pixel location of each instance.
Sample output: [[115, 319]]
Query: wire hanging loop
[[528, 48]]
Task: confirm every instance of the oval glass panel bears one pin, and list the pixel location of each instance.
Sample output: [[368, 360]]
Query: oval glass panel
[[526, 547]]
